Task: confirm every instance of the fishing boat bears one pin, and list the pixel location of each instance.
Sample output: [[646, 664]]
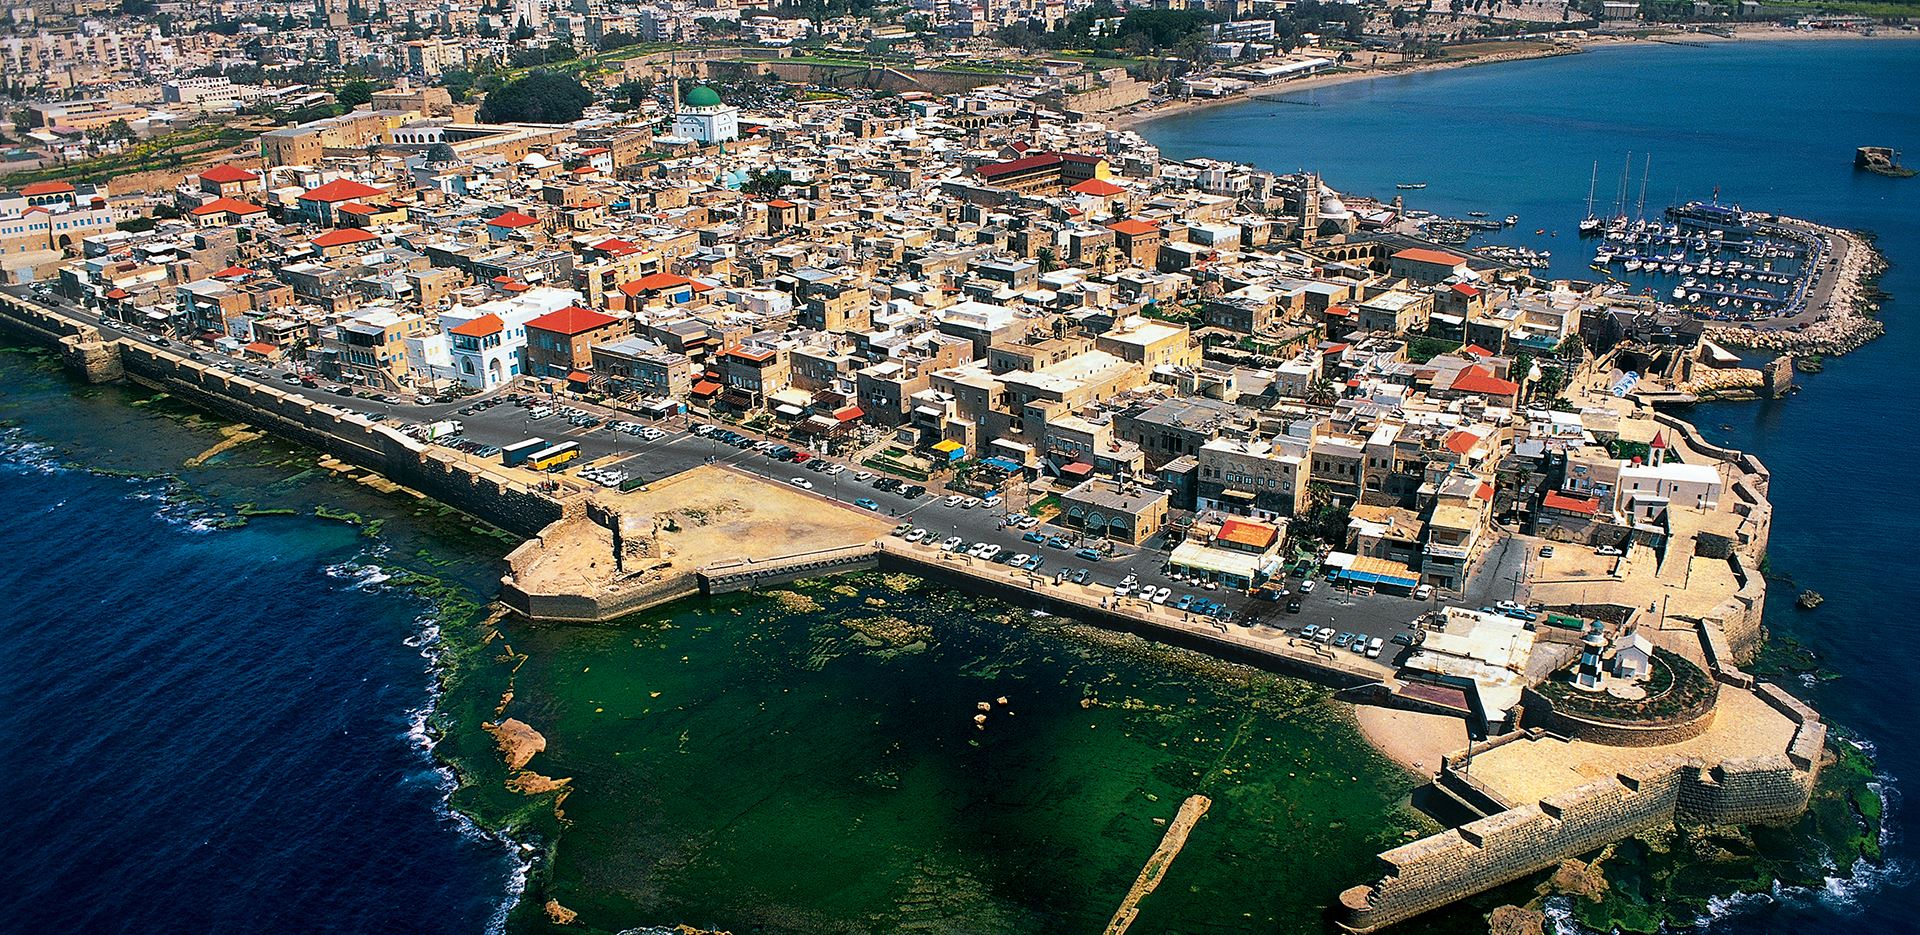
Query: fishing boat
[[1409, 186]]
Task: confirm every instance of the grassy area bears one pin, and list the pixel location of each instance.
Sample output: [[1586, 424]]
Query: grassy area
[[1421, 348], [1483, 49], [161, 152]]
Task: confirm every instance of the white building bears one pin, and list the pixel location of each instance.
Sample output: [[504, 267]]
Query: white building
[[703, 117], [488, 342]]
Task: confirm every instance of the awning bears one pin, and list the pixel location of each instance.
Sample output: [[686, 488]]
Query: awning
[[1078, 469], [947, 447], [817, 425], [787, 410], [579, 376], [849, 414], [1003, 464], [262, 348], [705, 388]]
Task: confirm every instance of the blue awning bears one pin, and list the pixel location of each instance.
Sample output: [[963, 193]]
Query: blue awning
[[1000, 463]]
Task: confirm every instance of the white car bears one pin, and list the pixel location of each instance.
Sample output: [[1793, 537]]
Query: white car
[[1160, 596], [1306, 587], [955, 500], [990, 552], [864, 476], [1608, 550], [917, 535], [801, 482], [1509, 605], [953, 542], [969, 503], [1423, 592], [833, 469]]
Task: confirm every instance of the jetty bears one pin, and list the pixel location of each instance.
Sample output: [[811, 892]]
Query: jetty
[[1191, 811]]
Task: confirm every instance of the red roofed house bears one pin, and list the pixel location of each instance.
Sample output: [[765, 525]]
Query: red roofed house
[[49, 194], [1099, 188], [343, 241], [318, 204], [1138, 241], [1426, 267], [670, 288], [222, 211], [227, 180], [508, 223], [1480, 381], [561, 342], [1044, 172]]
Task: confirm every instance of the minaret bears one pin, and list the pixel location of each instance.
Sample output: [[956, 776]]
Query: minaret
[[1310, 209]]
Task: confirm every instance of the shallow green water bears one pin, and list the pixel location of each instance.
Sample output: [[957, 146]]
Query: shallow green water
[[745, 765]]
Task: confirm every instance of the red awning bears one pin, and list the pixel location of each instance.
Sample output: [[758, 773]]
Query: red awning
[[262, 348], [705, 388], [848, 414], [579, 376], [1077, 468]]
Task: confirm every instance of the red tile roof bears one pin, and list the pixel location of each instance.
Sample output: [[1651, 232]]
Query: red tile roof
[[781, 203], [656, 282], [705, 388], [1465, 289], [1247, 532], [1133, 228], [233, 272], [480, 327], [1476, 350], [997, 169], [46, 188], [1558, 501], [343, 237], [227, 173], [225, 205], [572, 320], [1423, 255], [339, 190], [1477, 379], [1099, 187], [513, 219], [1461, 442], [262, 348], [117, 294], [616, 246]]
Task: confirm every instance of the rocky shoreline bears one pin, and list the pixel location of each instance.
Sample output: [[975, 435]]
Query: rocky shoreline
[[1845, 325]]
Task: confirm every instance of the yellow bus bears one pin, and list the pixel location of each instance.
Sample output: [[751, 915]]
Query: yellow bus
[[554, 457]]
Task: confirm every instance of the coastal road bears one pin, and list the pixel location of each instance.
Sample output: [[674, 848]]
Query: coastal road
[[680, 450]]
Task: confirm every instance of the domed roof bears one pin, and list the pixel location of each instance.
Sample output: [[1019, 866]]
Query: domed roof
[[702, 96]]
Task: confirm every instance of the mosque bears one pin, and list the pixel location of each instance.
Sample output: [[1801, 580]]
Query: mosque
[[703, 117]]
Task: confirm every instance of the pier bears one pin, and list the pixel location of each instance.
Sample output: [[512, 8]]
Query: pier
[[1191, 811]]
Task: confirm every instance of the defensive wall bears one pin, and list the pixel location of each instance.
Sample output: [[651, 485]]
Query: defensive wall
[[1505, 846], [1738, 618], [477, 488]]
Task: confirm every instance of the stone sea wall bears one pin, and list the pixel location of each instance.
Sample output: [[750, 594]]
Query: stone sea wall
[[480, 489], [1449, 866]]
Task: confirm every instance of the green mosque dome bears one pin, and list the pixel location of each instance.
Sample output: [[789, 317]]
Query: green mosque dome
[[702, 96]]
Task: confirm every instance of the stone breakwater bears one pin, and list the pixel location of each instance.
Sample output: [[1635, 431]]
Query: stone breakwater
[[1845, 322], [1443, 868]]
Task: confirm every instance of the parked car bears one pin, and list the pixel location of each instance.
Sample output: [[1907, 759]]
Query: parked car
[[801, 482], [1088, 554], [867, 503], [1423, 592], [1055, 542], [1546, 551], [1033, 537], [1160, 595], [863, 476], [917, 535], [952, 543], [1373, 648], [1306, 587], [902, 529], [1608, 550], [1081, 576], [1293, 605], [1185, 602]]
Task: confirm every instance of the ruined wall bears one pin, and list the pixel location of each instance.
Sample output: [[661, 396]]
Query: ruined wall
[[1440, 869]]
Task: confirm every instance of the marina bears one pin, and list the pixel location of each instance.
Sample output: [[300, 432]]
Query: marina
[[1714, 262]]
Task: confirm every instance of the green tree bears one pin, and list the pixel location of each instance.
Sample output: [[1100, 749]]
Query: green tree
[[1048, 261], [541, 97], [766, 183], [458, 82], [355, 93]]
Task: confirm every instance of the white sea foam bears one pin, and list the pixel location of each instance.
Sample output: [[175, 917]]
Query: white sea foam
[[358, 575]]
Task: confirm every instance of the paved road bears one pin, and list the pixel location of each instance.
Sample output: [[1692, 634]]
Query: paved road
[[680, 450]]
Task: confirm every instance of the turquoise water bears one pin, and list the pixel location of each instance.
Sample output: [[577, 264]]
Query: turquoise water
[[1774, 125]]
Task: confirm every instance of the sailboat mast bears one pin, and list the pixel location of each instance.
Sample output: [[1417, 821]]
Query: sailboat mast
[[1641, 211], [1620, 196], [1592, 183]]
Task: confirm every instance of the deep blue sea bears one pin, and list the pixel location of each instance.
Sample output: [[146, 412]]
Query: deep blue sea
[[1774, 126], [210, 729]]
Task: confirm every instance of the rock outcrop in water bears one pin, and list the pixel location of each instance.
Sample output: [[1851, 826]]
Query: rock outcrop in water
[[518, 741]]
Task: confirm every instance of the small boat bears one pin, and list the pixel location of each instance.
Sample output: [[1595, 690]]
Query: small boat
[[1476, 214], [1410, 186], [1539, 232]]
